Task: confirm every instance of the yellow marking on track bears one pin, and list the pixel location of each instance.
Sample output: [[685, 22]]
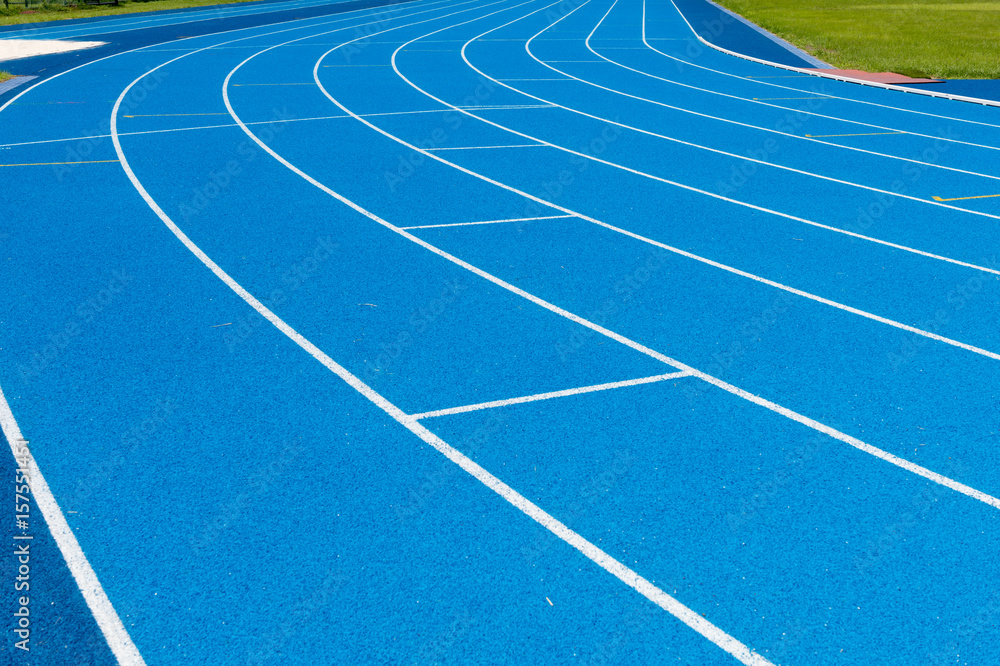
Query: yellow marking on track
[[819, 136], [981, 196], [172, 115], [56, 163]]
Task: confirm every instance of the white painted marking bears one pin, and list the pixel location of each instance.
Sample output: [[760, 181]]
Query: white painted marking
[[494, 107], [83, 574], [470, 224], [522, 145], [548, 396]]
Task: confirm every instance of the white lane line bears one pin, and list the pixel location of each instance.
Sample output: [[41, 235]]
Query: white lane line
[[669, 248], [492, 107], [83, 574], [589, 550], [471, 224], [720, 197], [816, 425], [548, 396], [521, 145]]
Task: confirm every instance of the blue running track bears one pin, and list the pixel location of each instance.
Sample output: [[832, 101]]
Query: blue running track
[[495, 332]]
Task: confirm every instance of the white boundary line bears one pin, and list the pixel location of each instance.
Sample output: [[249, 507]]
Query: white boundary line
[[548, 396], [592, 552], [472, 224], [804, 420], [820, 74], [97, 600], [523, 145]]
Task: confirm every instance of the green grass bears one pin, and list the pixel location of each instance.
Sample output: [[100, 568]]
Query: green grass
[[936, 38], [5, 76], [56, 11]]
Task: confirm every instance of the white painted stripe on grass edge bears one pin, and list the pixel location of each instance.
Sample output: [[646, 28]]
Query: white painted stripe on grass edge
[[100, 606], [548, 396]]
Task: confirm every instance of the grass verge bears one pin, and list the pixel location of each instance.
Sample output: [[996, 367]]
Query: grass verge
[[946, 39], [5, 76], [56, 11]]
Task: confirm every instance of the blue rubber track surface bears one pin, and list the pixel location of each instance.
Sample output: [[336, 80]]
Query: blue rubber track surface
[[501, 332]]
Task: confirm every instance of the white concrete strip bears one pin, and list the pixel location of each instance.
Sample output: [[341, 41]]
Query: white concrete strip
[[14, 49], [548, 396], [10, 84], [97, 600]]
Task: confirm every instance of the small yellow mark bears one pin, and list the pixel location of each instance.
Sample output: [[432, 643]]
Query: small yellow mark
[[817, 136], [550, 601], [55, 163], [981, 196]]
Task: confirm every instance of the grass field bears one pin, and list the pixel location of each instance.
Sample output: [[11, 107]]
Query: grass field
[[14, 14], [936, 38], [4, 76]]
